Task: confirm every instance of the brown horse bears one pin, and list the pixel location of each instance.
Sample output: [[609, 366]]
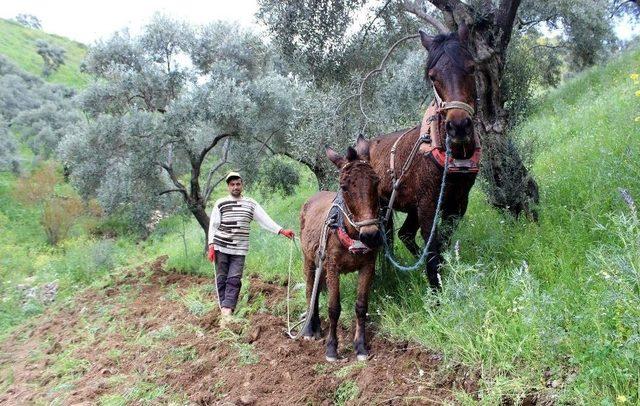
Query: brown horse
[[353, 214], [448, 120]]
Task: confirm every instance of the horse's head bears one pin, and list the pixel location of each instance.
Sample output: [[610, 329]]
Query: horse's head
[[450, 69], [359, 187]]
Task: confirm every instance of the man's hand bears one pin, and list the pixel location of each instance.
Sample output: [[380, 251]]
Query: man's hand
[[212, 253], [287, 233]]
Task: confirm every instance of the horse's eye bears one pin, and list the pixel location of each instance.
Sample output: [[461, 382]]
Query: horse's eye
[[344, 188], [432, 77]]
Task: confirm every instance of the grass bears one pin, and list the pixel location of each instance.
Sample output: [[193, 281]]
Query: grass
[[347, 391], [18, 44]]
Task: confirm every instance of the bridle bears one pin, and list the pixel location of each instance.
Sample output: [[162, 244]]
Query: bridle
[[341, 205], [431, 145], [443, 106]]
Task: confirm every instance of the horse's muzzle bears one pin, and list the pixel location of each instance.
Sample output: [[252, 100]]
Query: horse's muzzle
[[371, 238], [459, 130]]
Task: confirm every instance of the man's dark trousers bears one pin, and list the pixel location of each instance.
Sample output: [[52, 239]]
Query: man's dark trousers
[[229, 279]]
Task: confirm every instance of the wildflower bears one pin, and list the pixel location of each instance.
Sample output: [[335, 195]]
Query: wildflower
[[621, 399], [635, 77], [637, 119], [638, 93]]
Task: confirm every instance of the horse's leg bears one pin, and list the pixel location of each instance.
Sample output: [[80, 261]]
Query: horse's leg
[[453, 208], [407, 232], [312, 329], [333, 288], [365, 277]]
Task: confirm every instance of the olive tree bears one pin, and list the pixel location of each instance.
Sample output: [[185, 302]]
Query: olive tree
[[168, 109], [9, 159], [37, 113], [52, 56], [29, 21]]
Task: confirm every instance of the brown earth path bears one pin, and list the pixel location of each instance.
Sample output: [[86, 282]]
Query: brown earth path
[[144, 340]]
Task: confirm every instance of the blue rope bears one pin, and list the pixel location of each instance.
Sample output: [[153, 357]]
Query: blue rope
[[425, 252]]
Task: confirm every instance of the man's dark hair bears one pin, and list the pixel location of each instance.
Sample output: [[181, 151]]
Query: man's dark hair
[[232, 178]]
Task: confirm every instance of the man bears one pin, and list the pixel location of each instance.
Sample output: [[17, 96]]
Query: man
[[229, 239]]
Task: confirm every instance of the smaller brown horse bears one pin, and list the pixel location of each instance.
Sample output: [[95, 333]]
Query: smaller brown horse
[[352, 239]]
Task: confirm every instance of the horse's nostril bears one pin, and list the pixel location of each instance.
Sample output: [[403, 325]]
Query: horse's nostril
[[371, 240]]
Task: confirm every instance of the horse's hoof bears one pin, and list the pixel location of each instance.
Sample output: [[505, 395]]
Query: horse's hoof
[[362, 357], [331, 359], [307, 337]]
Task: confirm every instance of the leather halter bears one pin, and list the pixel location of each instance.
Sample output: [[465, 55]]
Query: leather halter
[[433, 124], [338, 213]]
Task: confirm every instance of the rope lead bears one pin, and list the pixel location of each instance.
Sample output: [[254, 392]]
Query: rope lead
[[436, 217]]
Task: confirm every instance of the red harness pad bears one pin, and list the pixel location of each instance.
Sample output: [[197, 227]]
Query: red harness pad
[[354, 246], [430, 131]]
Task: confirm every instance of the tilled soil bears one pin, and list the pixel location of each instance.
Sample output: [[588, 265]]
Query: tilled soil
[[139, 333]]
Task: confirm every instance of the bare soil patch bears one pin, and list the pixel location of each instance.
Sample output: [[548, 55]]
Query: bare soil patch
[[141, 339]]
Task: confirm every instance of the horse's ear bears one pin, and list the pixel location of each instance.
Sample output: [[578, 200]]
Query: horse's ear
[[463, 33], [426, 39], [352, 154], [362, 147], [334, 157]]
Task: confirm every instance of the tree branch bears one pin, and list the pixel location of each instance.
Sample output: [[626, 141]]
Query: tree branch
[[413, 8], [174, 178], [446, 6], [184, 193], [303, 161], [225, 153], [368, 27], [560, 46], [378, 70], [213, 143], [619, 6], [504, 20]]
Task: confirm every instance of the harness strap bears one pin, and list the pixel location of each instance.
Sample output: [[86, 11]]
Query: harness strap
[[431, 124], [443, 105], [392, 157]]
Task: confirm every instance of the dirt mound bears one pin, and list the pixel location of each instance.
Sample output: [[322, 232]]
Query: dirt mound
[[153, 336]]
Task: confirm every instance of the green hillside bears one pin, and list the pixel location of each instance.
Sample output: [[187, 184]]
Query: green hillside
[[18, 44]]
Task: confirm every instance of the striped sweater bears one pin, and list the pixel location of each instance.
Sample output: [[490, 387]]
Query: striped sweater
[[229, 224]]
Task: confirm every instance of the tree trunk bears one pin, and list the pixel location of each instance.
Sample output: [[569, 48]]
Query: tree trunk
[[199, 211], [507, 182]]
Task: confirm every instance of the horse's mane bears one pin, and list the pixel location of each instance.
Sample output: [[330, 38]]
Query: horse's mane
[[450, 45]]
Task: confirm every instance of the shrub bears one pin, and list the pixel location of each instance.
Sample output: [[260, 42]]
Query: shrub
[[58, 215], [102, 255], [37, 186]]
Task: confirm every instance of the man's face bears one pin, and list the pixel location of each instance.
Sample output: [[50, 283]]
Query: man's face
[[235, 187]]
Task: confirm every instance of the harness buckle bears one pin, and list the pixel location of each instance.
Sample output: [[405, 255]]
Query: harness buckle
[[426, 138]]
